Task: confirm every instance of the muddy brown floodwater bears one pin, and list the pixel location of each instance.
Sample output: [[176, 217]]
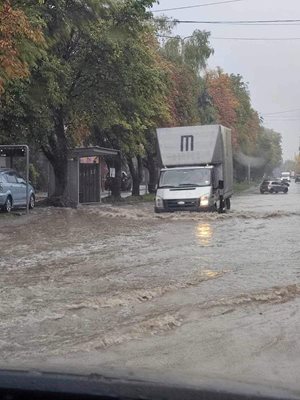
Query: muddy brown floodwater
[[187, 295]]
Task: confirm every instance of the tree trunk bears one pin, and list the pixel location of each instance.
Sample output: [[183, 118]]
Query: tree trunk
[[57, 153], [60, 169], [153, 173], [151, 161], [135, 177], [140, 168], [116, 183]]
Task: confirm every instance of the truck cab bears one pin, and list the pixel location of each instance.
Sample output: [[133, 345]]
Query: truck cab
[[286, 176], [187, 188]]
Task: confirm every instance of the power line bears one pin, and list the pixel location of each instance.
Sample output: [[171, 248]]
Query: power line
[[281, 120], [197, 5], [246, 22], [291, 120], [254, 39], [282, 117], [282, 112], [234, 38]]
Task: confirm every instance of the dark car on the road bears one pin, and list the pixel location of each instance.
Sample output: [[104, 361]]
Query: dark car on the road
[[273, 187], [297, 179], [13, 191], [283, 182]]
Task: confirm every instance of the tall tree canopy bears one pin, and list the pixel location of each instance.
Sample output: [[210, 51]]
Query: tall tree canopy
[[81, 72], [99, 68]]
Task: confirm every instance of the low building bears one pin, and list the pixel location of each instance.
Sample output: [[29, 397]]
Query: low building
[[84, 177]]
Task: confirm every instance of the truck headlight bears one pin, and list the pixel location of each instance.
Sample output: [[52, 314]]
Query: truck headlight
[[204, 200], [159, 203]]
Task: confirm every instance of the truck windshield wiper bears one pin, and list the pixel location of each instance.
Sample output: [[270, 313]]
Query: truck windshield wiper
[[190, 184], [167, 186]]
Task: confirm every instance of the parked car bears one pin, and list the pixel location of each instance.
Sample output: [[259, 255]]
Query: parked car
[[297, 179], [13, 190], [283, 181], [273, 187]]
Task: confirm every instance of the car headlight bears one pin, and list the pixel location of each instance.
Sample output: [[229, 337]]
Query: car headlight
[[159, 203], [204, 200]]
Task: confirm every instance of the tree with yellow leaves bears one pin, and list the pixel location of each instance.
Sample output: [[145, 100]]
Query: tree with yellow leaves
[[20, 42]]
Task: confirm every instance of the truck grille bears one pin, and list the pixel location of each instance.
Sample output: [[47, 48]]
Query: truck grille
[[184, 204]]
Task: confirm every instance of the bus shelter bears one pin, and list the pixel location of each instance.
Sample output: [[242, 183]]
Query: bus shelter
[[84, 175]]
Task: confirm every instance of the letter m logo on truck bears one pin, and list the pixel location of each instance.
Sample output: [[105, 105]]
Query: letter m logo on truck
[[187, 143]]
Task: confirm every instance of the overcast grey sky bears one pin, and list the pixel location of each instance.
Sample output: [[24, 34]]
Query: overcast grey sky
[[272, 68]]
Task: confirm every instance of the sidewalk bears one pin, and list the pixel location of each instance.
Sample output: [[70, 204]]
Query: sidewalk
[[143, 190]]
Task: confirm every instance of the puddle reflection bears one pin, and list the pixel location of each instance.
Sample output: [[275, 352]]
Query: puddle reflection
[[204, 233], [211, 274]]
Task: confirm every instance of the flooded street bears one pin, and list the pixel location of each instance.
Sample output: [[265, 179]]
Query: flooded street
[[188, 295]]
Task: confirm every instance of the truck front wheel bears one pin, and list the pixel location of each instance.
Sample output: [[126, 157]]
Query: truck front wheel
[[213, 208], [222, 206], [228, 203]]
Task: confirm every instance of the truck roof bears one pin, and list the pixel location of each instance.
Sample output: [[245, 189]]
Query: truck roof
[[191, 145]]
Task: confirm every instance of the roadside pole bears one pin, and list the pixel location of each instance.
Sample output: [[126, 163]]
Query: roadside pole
[[249, 173], [100, 175], [27, 178]]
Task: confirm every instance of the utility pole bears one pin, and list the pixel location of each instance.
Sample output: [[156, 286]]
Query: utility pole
[[182, 40], [249, 172]]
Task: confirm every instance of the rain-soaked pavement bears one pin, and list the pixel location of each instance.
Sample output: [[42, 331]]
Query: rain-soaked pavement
[[187, 295]]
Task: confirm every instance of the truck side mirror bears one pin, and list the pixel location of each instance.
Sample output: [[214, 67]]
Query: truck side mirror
[[221, 185]]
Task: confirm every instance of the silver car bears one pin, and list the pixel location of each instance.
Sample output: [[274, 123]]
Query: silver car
[[13, 191]]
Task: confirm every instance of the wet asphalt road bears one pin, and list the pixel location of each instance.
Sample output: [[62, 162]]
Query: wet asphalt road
[[187, 295]]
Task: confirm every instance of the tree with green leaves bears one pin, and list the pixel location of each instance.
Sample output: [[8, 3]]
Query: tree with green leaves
[[269, 148], [193, 51], [180, 62], [93, 73]]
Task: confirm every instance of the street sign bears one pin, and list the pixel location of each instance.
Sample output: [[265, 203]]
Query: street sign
[[112, 172]]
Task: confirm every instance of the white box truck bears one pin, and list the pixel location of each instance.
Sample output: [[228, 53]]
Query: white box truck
[[286, 176], [197, 171]]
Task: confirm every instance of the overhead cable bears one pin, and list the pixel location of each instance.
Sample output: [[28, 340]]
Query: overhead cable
[[255, 39], [234, 38], [282, 112], [197, 6], [239, 22]]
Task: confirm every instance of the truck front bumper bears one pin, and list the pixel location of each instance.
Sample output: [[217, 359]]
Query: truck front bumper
[[182, 205]]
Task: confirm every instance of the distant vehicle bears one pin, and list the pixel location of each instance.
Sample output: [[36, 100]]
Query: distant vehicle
[[297, 178], [273, 187], [285, 182], [13, 191], [286, 176], [198, 169]]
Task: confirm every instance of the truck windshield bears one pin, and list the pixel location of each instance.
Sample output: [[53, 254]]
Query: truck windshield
[[185, 177]]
